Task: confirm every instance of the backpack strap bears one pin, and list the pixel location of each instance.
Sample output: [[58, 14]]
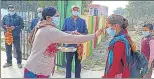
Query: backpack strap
[[122, 61], [131, 43]]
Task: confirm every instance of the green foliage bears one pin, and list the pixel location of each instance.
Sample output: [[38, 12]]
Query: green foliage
[[120, 11], [85, 6], [140, 10], [47, 3]]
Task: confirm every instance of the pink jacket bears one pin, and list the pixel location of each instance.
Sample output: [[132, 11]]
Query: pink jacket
[[145, 47]]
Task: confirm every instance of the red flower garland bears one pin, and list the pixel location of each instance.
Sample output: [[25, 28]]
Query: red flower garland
[[8, 36], [80, 51]]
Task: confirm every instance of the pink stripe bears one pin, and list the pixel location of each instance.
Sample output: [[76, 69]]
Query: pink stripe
[[151, 50]]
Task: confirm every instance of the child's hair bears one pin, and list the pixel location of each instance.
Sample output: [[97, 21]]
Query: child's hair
[[118, 19], [150, 26], [48, 11]]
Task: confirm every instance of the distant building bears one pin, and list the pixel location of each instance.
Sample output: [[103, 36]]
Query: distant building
[[97, 10]]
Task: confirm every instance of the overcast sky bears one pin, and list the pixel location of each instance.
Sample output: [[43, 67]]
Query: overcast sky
[[112, 5]]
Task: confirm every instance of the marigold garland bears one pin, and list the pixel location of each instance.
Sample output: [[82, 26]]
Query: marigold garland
[[8, 36], [80, 51]]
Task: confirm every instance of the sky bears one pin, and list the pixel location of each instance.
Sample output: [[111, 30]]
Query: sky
[[112, 5]]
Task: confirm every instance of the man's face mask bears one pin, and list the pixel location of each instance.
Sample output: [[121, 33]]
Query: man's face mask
[[40, 15], [11, 11], [146, 33], [75, 13]]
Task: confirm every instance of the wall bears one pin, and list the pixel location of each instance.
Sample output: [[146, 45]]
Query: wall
[[93, 24]]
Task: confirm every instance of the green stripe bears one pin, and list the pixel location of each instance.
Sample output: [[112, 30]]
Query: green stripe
[[92, 28]]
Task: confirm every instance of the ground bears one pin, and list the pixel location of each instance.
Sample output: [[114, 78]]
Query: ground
[[15, 72]]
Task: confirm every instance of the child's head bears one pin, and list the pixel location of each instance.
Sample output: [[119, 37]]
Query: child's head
[[116, 23], [147, 29]]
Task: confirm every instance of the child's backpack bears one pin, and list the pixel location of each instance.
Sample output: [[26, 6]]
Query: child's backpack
[[136, 61]]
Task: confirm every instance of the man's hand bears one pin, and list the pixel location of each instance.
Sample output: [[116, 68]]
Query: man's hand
[[13, 27], [98, 32], [7, 26], [76, 33]]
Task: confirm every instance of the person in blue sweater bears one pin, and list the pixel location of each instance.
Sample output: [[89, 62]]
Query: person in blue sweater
[[36, 20], [15, 22], [74, 25]]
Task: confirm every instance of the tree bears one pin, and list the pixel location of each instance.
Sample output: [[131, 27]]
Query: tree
[[85, 6], [55, 3], [140, 11], [47, 3], [120, 11]]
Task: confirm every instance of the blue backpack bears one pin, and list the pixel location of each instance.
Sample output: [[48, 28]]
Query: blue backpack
[[136, 61]]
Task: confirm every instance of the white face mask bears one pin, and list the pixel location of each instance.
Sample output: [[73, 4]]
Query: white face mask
[[146, 33], [111, 32], [39, 15], [12, 13], [75, 13], [56, 20]]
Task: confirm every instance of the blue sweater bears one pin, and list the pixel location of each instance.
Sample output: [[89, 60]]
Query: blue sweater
[[13, 20], [69, 26]]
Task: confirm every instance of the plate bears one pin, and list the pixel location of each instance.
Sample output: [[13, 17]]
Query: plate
[[67, 49]]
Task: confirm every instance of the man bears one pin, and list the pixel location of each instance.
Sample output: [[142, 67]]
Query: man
[[74, 25], [35, 21], [147, 47], [14, 22]]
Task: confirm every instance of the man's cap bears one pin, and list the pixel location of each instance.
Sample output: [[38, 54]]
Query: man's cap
[[73, 6]]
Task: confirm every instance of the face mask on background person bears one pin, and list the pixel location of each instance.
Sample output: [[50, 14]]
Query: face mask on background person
[[11, 12], [39, 15], [146, 33], [56, 20], [75, 13], [111, 32]]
